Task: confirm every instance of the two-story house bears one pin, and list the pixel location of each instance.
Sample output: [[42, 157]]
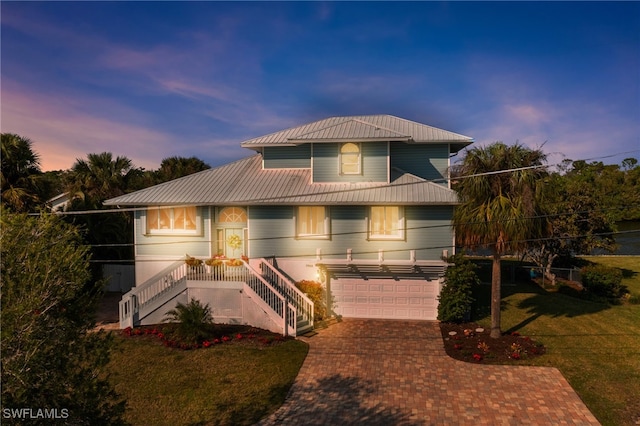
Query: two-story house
[[361, 203]]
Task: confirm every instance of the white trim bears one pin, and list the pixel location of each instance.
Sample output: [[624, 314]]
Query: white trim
[[388, 162], [312, 163], [142, 223], [247, 249], [448, 177]]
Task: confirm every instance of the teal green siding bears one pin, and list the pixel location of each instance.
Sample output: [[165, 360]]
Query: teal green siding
[[272, 233], [426, 161], [432, 231], [173, 245], [326, 163], [287, 157]]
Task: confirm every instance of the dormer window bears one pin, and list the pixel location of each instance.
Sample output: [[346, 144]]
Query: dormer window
[[350, 159]]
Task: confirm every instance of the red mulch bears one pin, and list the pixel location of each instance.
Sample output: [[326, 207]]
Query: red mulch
[[219, 334], [471, 343]]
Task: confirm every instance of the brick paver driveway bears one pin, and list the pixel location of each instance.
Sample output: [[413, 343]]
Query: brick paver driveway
[[376, 372]]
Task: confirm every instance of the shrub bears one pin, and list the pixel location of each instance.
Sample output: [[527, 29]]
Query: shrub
[[318, 295], [456, 295], [50, 357], [604, 281], [193, 321]]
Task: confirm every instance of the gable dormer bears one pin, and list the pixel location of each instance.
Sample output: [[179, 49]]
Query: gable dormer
[[361, 149]]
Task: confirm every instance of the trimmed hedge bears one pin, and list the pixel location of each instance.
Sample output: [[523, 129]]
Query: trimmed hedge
[[456, 295]]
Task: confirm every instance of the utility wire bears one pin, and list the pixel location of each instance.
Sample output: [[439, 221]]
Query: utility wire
[[447, 225], [281, 198], [364, 252]]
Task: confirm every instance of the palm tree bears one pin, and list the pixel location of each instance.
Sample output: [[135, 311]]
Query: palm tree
[[89, 183], [100, 177], [20, 173], [500, 188]]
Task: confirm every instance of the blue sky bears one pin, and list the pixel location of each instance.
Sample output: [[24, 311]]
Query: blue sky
[[149, 80]]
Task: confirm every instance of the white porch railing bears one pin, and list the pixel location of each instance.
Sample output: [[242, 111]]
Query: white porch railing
[[144, 299], [151, 295], [294, 295]]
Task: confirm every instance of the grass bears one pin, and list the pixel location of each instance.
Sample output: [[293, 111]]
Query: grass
[[596, 346], [226, 384]]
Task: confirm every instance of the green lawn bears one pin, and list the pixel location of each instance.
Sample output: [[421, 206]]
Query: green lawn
[[595, 346], [226, 384]]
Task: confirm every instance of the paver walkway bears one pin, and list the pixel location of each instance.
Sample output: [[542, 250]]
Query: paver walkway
[[375, 372]]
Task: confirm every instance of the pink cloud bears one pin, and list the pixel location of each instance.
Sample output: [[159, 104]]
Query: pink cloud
[[532, 115], [62, 131]]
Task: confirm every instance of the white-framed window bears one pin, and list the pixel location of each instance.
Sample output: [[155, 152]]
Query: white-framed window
[[232, 215], [386, 222], [350, 159], [174, 220], [312, 222]]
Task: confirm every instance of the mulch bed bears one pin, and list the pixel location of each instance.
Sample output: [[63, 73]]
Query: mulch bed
[[218, 334], [471, 343]]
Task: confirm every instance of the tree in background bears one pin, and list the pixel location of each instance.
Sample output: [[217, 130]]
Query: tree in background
[[616, 189], [21, 189], [581, 221], [177, 167], [89, 183], [500, 189], [101, 176], [50, 357]]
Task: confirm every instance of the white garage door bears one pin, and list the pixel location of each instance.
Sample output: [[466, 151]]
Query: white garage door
[[386, 298]]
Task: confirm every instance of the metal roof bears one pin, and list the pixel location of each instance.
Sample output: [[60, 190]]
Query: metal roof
[[360, 128], [245, 182]]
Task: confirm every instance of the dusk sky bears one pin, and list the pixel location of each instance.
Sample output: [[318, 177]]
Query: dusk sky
[[150, 80]]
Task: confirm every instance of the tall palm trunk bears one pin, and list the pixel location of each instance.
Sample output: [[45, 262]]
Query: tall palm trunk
[[495, 295]]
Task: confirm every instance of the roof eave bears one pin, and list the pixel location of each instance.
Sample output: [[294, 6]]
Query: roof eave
[[342, 140]]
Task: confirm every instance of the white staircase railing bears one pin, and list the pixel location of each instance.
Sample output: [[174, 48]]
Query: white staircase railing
[[285, 313], [146, 298], [293, 294]]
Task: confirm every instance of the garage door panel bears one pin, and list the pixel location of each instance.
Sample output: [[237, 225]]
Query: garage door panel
[[409, 299]]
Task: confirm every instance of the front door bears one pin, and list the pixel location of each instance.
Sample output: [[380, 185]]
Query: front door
[[234, 242], [231, 233]]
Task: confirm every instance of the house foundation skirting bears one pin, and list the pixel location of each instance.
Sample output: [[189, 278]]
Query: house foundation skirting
[[227, 300]]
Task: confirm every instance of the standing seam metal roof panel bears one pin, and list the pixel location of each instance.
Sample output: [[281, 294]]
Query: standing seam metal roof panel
[[244, 182], [417, 132]]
